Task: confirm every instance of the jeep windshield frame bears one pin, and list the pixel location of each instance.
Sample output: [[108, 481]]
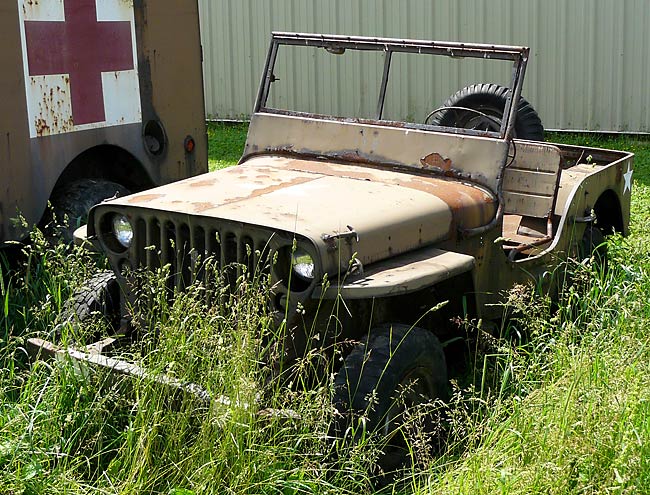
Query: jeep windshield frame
[[337, 44]]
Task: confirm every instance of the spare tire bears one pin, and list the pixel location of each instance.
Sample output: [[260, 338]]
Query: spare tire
[[488, 99]]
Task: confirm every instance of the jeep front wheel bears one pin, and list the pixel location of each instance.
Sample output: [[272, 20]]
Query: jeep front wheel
[[593, 246], [97, 298], [385, 386]]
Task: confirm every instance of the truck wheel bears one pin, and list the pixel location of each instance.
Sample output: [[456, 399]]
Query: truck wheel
[[489, 99], [74, 200], [593, 244], [394, 369], [99, 296]]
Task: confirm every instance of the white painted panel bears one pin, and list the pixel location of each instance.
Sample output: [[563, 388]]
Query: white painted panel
[[49, 96], [121, 97]]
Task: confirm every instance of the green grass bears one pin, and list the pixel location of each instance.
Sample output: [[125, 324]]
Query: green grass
[[225, 144], [559, 404]]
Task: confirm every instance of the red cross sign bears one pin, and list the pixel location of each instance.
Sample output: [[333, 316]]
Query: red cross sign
[[67, 38]]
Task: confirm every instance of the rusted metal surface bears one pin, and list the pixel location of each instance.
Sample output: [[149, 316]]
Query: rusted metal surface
[[92, 361], [391, 216], [478, 159], [391, 212], [89, 75]]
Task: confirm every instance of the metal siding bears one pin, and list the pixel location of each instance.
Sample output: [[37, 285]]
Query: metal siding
[[588, 69]]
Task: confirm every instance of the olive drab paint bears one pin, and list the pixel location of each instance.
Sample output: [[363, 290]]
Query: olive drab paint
[[98, 89]]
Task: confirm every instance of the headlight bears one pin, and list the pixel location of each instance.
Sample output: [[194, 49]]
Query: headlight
[[302, 264], [122, 230]]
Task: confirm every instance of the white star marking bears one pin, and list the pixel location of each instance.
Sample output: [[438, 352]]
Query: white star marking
[[628, 179]]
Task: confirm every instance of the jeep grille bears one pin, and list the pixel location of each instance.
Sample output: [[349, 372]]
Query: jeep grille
[[185, 246]]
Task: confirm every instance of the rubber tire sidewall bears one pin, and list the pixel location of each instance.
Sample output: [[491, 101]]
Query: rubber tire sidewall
[[99, 295], [376, 367], [75, 199], [593, 244]]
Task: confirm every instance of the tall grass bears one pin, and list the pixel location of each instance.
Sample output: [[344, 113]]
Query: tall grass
[[568, 404], [65, 430], [556, 401]]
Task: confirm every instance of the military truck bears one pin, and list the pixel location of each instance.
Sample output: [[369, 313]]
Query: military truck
[[372, 220], [98, 100]]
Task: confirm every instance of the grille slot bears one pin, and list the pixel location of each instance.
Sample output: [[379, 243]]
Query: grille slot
[[185, 248]]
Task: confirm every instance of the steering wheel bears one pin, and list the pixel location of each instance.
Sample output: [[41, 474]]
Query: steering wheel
[[481, 122]]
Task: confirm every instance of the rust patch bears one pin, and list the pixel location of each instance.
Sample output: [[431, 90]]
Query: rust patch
[[267, 190], [144, 198], [352, 157], [202, 206], [470, 206], [42, 129], [437, 161], [203, 183], [329, 169]]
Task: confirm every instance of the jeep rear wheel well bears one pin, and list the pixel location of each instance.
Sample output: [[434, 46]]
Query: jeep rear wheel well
[[609, 217], [107, 162]]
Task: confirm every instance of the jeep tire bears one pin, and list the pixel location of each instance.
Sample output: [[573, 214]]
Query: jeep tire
[[489, 99], [394, 369], [72, 202]]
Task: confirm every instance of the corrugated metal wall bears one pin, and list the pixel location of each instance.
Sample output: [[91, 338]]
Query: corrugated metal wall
[[589, 69]]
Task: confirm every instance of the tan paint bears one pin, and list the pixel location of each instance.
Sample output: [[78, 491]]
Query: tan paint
[[419, 209], [402, 274], [530, 182], [480, 159], [392, 212]]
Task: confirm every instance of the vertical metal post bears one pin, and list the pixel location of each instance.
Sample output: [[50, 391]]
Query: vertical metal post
[[512, 104], [384, 84], [267, 76]]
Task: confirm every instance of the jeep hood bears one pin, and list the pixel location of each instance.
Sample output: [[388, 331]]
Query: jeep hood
[[391, 212]]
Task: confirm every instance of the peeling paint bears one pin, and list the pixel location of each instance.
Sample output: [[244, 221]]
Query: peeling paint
[[144, 198]]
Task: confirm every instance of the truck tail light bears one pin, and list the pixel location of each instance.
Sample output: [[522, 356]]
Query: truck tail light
[[189, 144]]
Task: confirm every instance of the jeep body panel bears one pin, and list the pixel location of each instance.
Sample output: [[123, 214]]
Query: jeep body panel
[[41, 143], [403, 274], [390, 212], [472, 158]]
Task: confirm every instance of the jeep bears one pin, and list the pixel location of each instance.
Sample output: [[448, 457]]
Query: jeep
[[368, 225]]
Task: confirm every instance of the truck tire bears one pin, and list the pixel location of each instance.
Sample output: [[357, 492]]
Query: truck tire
[[489, 99], [392, 360], [72, 201]]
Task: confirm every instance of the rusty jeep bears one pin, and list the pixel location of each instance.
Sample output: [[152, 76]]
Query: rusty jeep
[[373, 220]]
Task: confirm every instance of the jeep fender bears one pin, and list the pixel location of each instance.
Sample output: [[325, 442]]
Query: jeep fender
[[402, 274]]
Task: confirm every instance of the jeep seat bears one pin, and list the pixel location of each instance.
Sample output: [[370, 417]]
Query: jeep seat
[[529, 192]]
